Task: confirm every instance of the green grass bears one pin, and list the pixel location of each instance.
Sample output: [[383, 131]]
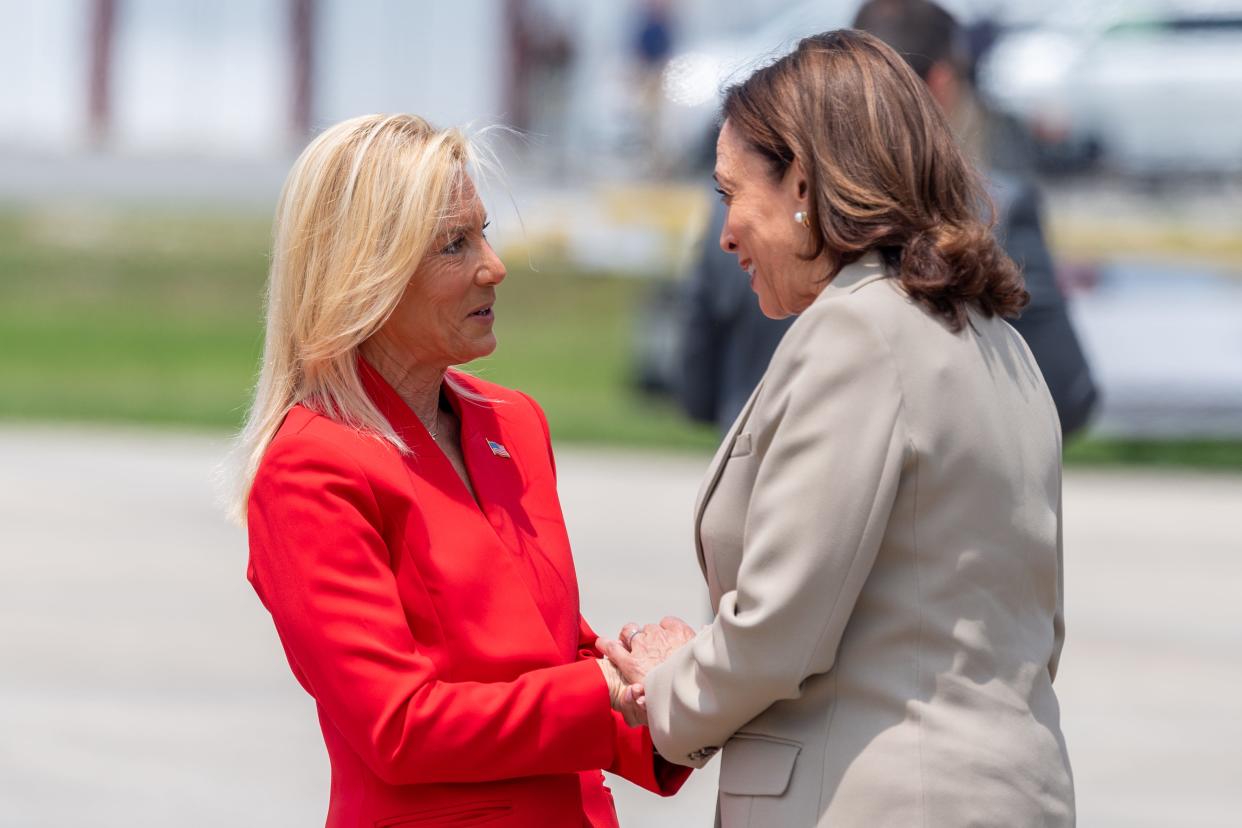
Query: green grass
[[155, 318], [133, 317], [123, 318], [1221, 455]]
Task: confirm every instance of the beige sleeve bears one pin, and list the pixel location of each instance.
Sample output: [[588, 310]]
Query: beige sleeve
[[826, 482], [1058, 618]]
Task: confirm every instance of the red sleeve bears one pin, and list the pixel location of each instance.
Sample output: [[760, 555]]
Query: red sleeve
[[321, 567], [635, 755]]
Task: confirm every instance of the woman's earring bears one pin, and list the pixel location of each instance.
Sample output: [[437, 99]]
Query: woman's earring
[[802, 218]]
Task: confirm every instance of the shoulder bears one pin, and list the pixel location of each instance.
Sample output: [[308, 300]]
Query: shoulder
[[317, 469], [842, 345], [311, 444], [514, 407], [864, 341], [856, 322], [484, 388], [517, 417]]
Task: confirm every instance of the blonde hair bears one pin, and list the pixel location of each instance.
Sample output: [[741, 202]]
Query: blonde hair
[[362, 205]]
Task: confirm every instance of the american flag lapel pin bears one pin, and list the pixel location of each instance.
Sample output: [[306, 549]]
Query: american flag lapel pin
[[498, 449]]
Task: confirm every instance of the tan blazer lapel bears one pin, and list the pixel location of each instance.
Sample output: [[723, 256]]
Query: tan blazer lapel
[[862, 272], [714, 470]]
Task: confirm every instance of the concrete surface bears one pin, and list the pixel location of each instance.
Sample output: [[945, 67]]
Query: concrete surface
[[141, 682]]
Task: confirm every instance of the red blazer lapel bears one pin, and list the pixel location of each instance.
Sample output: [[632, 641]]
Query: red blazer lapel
[[512, 497], [503, 499]]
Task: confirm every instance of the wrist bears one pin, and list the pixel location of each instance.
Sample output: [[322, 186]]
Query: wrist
[[616, 684]]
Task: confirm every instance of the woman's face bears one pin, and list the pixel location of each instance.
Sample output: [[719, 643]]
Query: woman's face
[[445, 317], [760, 228]]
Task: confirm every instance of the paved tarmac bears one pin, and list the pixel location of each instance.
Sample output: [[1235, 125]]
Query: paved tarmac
[[141, 683]]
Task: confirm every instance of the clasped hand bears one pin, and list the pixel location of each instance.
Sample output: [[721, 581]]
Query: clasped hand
[[634, 653]]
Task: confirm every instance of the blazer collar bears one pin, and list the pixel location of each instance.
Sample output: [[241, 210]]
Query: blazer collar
[[406, 423], [863, 272], [480, 424], [399, 415]]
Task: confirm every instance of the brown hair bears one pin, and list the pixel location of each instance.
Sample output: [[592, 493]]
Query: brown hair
[[883, 170]]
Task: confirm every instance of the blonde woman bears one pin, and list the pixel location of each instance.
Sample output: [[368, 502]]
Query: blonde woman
[[405, 532]]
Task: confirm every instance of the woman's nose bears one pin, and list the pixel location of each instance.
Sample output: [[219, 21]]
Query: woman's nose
[[493, 271], [727, 242]]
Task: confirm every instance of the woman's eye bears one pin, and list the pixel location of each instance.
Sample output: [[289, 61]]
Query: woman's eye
[[486, 225], [723, 195], [454, 247]]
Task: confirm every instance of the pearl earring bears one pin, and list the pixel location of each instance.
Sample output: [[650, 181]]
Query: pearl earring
[[802, 218]]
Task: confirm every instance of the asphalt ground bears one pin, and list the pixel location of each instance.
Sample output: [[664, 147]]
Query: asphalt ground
[[141, 682]]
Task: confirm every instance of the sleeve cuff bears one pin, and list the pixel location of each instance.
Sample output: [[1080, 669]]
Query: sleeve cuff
[[637, 761], [659, 692]]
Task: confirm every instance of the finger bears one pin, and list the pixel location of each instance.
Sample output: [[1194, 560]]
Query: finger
[[616, 653], [634, 713], [638, 642], [628, 711], [627, 632], [672, 623], [611, 648]]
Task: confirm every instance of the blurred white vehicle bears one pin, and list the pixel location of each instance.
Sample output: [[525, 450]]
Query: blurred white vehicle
[[1146, 86], [695, 77], [1165, 346]]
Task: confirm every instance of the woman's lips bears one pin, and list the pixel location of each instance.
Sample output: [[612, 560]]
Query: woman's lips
[[483, 313], [749, 267]]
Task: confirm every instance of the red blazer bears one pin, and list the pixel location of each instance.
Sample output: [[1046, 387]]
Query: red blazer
[[441, 640]]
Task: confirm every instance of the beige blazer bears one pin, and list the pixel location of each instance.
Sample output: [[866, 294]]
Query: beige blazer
[[881, 536]]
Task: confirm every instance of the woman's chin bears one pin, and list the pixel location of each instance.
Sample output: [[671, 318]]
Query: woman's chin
[[770, 309], [483, 347]]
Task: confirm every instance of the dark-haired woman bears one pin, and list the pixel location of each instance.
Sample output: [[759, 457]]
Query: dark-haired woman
[[881, 529]]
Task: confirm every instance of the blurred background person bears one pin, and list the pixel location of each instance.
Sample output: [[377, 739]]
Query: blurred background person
[[652, 45], [726, 341], [541, 57]]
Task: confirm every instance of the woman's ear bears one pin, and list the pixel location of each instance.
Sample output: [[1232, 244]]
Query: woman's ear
[[795, 179]]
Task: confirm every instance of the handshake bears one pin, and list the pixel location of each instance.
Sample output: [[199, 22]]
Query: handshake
[[634, 653]]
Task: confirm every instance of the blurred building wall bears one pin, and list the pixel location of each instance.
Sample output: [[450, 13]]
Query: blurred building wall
[[444, 61], [216, 78], [43, 60], [200, 77]]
